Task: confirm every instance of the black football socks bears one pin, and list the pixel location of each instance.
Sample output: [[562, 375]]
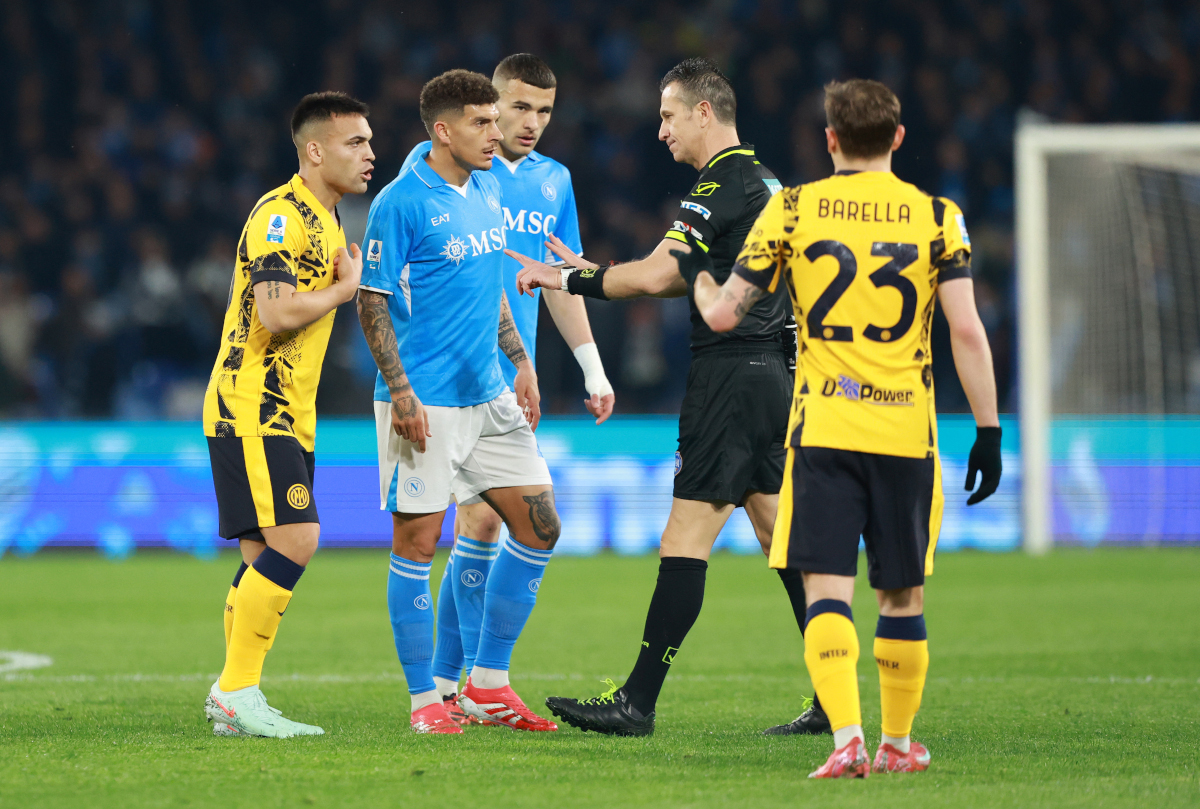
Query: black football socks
[[676, 604], [793, 582]]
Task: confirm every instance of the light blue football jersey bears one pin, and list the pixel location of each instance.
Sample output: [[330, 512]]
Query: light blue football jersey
[[538, 200], [437, 253]]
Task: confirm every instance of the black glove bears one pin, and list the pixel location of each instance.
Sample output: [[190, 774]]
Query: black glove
[[985, 458], [693, 263]]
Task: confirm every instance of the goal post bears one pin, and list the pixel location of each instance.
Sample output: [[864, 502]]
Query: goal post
[[1121, 331]]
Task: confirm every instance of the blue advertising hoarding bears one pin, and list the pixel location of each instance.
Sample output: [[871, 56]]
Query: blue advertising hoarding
[[120, 486]]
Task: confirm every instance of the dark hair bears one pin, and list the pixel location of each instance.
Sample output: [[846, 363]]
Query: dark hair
[[865, 115], [700, 79], [323, 106], [454, 90], [527, 68]]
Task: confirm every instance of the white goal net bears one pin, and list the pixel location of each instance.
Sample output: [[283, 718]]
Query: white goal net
[[1108, 250]]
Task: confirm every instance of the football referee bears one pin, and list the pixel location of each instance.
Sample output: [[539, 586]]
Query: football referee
[[733, 422]]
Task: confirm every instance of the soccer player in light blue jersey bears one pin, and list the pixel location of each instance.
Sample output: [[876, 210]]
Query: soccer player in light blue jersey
[[538, 201], [434, 312]]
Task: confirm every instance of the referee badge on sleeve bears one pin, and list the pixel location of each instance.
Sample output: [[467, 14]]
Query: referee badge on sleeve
[[276, 227], [678, 463]]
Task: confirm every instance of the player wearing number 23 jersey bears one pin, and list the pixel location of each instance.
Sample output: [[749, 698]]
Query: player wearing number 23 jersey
[[862, 254], [865, 256]]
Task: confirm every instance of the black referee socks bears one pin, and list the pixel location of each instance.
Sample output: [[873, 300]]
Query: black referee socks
[[676, 604]]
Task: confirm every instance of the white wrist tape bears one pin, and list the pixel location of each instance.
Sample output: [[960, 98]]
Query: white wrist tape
[[594, 380]]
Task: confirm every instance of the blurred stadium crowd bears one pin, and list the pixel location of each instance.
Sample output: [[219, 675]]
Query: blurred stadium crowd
[[138, 134]]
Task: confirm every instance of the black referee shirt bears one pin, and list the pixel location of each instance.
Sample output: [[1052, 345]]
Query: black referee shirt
[[720, 210]]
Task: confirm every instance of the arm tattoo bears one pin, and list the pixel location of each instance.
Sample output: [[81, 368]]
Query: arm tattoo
[[381, 338], [508, 336], [544, 516], [272, 289], [750, 297]]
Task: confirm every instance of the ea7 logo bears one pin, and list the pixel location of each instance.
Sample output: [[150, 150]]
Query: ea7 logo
[[437, 220]]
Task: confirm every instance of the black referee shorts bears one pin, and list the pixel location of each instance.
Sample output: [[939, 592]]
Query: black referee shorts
[[260, 483], [733, 424], [831, 497]]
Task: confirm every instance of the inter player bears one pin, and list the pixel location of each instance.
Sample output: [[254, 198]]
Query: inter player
[[435, 315], [734, 414], [292, 272], [538, 201], [864, 256]]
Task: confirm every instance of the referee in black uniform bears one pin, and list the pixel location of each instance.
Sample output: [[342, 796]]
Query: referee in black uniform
[[733, 422]]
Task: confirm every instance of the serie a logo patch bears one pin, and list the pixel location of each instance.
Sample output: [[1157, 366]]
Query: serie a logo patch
[[276, 227]]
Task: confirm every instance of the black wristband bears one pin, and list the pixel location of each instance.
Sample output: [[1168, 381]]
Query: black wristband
[[588, 283]]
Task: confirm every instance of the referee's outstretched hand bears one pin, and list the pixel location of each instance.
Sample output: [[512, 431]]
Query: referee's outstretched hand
[[985, 459], [693, 263]]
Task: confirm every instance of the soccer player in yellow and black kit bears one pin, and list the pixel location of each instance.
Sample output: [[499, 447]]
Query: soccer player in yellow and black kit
[[292, 272], [864, 257]]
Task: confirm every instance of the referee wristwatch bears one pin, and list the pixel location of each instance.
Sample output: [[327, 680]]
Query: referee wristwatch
[[565, 271]]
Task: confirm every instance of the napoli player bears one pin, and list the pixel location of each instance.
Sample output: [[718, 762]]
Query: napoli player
[[538, 201], [447, 426]]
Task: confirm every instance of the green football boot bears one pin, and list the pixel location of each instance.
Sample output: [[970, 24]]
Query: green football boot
[[247, 712]]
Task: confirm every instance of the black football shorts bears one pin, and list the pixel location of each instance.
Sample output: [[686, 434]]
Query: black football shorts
[[260, 483], [733, 423], [831, 497]]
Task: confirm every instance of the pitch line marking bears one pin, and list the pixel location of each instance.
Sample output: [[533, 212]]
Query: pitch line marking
[[12, 675], [22, 661]]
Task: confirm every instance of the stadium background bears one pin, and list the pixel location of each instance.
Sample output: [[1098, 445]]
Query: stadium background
[[137, 135]]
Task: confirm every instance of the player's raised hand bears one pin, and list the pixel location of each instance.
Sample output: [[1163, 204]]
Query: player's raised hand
[[600, 406], [347, 270], [534, 274], [985, 459], [528, 396], [560, 249], [409, 419]]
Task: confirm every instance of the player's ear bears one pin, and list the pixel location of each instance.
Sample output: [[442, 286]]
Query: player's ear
[[831, 141], [314, 152], [442, 132], [896, 141]]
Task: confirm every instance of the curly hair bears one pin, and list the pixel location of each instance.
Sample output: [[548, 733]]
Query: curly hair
[[454, 90]]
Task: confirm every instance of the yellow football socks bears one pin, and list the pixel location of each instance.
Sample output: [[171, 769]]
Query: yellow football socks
[[259, 603], [229, 600], [902, 654], [831, 654]]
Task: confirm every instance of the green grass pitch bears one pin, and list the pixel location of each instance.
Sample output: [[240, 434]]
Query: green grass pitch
[[1072, 680]]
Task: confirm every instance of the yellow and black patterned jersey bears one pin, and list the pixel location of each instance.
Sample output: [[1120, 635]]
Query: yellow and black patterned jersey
[[266, 384], [862, 254]]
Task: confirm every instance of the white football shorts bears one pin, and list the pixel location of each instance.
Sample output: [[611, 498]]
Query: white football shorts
[[472, 449]]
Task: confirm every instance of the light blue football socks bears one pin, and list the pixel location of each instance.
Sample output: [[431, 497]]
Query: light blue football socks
[[472, 566], [511, 592], [448, 651], [411, 610]]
